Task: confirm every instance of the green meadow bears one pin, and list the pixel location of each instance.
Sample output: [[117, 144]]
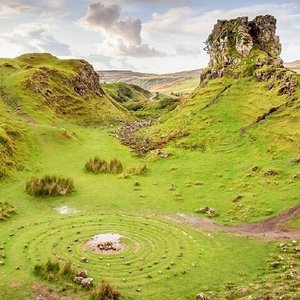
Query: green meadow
[[244, 177]]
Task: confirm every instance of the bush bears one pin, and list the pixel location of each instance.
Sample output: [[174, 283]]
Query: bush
[[105, 292], [133, 106], [138, 170], [6, 210], [50, 186], [96, 165], [168, 103], [53, 270]]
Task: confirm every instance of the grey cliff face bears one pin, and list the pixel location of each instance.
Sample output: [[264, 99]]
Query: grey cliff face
[[234, 41]]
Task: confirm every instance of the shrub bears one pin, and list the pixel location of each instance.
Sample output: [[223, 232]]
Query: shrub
[[67, 271], [133, 106], [50, 186], [168, 103], [138, 170], [53, 270], [105, 292], [6, 210], [96, 165]]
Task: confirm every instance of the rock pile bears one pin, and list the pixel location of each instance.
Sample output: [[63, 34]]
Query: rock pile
[[128, 137], [207, 210], [82, 279], [106, 246]]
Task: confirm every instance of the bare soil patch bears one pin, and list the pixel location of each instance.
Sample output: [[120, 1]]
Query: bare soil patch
[[42, 292], [107, 243], [269, 229]]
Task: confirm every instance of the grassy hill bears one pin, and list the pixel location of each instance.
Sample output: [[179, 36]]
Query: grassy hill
[[232, 146], [39, 90], [294, 65], [123, 92], [229, 138]]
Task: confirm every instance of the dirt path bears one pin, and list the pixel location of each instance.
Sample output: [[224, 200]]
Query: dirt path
[[269, 229]]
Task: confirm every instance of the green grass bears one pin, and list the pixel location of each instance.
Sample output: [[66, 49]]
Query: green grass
[[293, 223], [124, 92], [184, 88]]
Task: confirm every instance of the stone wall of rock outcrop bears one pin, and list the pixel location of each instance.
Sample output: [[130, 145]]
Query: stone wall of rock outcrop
[[88, 80], [240, 43]]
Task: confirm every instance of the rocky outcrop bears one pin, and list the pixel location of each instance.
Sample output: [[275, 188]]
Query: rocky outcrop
[[240, 46], [87, 80]]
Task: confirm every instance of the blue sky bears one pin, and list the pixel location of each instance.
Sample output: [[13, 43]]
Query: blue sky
[[144, 35]]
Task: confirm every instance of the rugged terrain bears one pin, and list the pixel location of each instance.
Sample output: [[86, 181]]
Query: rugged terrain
[[203, 196]]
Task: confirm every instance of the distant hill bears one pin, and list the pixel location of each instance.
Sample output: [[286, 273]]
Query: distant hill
[[294, 65], [179, 83]]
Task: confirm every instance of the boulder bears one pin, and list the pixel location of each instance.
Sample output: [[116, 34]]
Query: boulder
[[87, 282], [78, 279], [82, 274]]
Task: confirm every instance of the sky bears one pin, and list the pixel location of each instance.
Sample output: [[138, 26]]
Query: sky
[[157, 36]]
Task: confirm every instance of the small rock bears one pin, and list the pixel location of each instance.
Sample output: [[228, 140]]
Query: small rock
[[82, 274], [87, 282], [270, 173], [84, 259], [201, 296], [78, 279]]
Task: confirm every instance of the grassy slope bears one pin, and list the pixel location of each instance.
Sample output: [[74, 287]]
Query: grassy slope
[[37, 90], [109, 194], [228, 158], [184, 87], [123, 92]]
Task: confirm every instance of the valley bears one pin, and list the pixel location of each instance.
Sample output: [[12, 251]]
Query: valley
[[195, 177]]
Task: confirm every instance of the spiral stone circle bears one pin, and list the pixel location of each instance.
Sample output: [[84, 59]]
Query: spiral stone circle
[[155, 250]]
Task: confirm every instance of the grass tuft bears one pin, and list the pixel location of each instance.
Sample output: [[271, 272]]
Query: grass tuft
[[97, 165], [105, 292], [50, 186], [6, 210], [52, 270], [137, 170]]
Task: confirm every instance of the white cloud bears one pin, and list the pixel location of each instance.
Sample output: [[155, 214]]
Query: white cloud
[[186, 50], [187, 28], [10, 8], [122, 36], [34, 37], [103, 62]]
